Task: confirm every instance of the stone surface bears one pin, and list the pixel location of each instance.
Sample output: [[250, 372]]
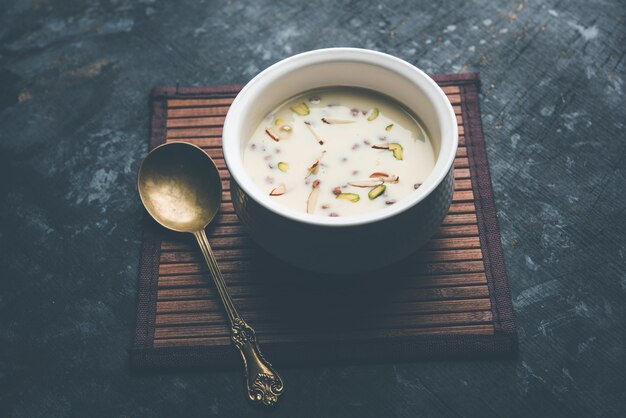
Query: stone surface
[[74, 83]]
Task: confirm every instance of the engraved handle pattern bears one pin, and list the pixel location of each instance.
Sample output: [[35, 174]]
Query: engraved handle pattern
[[263, 383]]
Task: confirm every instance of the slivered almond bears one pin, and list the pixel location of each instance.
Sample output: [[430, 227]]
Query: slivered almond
[[278, 191], [391, 179], [366, 183], [314, 133], [315, 166], [312, 199], [384, 177], [377, 174], [331, 121], [272, 135]]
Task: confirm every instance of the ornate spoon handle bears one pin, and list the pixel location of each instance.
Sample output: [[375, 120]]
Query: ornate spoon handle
[[263, 384]]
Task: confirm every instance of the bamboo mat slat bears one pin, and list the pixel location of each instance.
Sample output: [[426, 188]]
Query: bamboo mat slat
[[450, 299]]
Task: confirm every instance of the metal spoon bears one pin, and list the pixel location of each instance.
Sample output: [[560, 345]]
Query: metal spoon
[[181, 188]]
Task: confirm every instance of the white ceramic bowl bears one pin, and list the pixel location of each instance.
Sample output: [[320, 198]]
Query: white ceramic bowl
[[351, 244]]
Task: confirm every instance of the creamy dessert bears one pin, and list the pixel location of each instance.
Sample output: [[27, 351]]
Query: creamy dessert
[[339, 152]]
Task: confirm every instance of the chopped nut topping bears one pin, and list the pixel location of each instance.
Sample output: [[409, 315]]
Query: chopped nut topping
[[312, 199], [301, 109], [351, 197], [337, 191], [373, 114], [272, 135], [313, 168], [376, 191], [377, 174], [330, 121], [397, 151], [314, 132], [366, 183], [278, 191]]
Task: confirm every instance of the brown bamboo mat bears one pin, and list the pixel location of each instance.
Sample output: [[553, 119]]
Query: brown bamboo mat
[[450, 300]]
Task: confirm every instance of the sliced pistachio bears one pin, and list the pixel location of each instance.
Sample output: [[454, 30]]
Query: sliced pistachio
[[351, 197], [312, 199], [279, 122], [301, 109], [376, 191], [389, 127], [314, 133], [397, 151], [272, 135], [281, 189], [365, 183], [283, 166], [373, 114], [331, 121]]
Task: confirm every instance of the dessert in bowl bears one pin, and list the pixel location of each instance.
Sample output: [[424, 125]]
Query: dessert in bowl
[[339, 151], [341, 159]]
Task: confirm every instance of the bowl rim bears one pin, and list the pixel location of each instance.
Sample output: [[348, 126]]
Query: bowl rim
[[444, 163]]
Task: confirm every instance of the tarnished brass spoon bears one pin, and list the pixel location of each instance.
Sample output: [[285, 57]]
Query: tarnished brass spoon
[[181, 188]]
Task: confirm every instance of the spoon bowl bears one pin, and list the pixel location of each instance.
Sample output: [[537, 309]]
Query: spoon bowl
[[180, 186]]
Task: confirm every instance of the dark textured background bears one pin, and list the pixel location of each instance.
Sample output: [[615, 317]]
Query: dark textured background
[[74, 83]]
